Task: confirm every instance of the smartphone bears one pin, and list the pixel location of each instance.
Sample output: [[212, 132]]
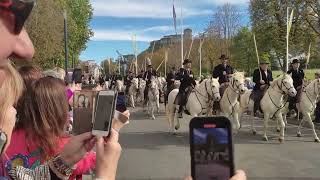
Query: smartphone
[[104, 112], [83, 109], [211, 148]]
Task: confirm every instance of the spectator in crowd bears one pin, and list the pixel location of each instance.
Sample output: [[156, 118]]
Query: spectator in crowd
[[15, 42], [248, 83], [41, 132]]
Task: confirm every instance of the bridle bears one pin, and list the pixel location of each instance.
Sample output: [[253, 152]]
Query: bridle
[[208, 95], [282, 93], [283, 85], [235, 87]]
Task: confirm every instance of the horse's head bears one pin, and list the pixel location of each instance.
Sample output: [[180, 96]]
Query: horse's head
[[215, 86], [285, 84], [153, 84], [135, 83], [237, 82], [119, 85]]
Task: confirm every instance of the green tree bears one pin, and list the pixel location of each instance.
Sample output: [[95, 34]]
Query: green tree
[[243, 51]]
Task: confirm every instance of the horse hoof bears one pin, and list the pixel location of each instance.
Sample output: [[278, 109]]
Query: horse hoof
[[281, 140], [317, 140], [176, 127], [298, 134], [175, 133], [278, 130], [153, 118], [254, 133], [265, 139]]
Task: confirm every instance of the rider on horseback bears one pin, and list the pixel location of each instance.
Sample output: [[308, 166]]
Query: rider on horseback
[[186, 78], [261, 84], [171, 76], [147, 77], [127, 81], [114, 77], [222, 71], [297, 76]]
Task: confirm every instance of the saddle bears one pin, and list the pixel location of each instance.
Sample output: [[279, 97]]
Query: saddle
[[182, 98]]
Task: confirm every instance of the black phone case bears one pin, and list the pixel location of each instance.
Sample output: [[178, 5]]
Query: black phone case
[[220, 121]]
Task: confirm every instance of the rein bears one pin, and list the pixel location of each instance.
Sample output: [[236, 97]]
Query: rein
[[282, 93], [205, 96]]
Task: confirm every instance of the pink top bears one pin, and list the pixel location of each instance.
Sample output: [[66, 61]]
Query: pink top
[[19, 153]]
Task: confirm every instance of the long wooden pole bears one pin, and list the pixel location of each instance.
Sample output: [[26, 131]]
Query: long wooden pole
[[257, 53], [165, 63], [308, 56], [289, 24], [190, 48], [200, 58], [181, 39]]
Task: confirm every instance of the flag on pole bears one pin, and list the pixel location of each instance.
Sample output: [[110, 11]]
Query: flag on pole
[[174, 18]]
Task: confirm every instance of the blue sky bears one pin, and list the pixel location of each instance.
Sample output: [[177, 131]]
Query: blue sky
[[115, 21]]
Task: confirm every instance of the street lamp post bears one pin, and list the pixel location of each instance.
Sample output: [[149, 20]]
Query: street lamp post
[[65, 42]]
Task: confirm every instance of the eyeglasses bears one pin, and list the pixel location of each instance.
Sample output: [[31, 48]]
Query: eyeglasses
[[21, 10]]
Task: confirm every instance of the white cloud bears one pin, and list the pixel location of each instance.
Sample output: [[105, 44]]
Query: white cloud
[[156, 8], [159, 29], [120, 35]]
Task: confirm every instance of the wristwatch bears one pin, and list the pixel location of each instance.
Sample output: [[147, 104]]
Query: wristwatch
[[3, 140]]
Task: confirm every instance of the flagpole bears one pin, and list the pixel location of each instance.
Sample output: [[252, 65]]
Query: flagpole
[[181, 38]]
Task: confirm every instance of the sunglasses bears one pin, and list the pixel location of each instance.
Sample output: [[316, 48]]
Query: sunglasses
[[21, 10]]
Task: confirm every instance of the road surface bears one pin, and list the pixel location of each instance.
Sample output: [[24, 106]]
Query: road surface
[[150, 152]]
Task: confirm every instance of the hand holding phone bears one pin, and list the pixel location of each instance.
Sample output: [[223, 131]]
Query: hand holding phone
[[211, 148]]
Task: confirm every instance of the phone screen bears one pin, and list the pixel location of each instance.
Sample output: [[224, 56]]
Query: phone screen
[[212, 153], [103, 112]]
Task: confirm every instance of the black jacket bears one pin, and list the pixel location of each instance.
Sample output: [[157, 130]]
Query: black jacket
[[148, 75], [256, 78], [218, 72], [297, 76], [116, 77], [169, 78], [128, 79], [186, 79]]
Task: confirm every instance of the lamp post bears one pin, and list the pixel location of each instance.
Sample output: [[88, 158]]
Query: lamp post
[[65, 42]]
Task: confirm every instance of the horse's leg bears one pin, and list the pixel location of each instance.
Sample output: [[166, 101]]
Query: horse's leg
[[158, 106], [277, 121], [236, 117], [152, 110], [282, 126], [308, 118], [132, 100], [266, 119], [254, 131]]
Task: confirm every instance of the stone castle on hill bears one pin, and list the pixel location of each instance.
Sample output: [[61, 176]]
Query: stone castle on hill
[[169, 40]]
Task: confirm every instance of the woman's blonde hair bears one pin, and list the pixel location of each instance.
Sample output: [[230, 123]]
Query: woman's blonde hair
[[11, 87]]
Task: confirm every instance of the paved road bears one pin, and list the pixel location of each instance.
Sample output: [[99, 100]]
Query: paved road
[[150, 152]]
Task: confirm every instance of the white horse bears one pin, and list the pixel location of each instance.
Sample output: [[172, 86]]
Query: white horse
[[199, 102], [142, 86], [229, 103], [119, 86], [153, 97], [272, 103], [133, 90], [307, 105]]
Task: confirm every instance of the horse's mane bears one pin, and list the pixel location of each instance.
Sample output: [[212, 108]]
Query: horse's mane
[[279, 78], [238, 75]]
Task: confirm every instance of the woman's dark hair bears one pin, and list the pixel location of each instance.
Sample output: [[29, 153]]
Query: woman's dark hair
[[45, 118]]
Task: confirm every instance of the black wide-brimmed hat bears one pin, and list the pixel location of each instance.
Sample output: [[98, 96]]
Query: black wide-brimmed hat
[[186, 61], [295, 61], [223, 57]]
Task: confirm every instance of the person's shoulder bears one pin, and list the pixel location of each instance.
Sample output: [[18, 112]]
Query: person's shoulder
[[218, 66]]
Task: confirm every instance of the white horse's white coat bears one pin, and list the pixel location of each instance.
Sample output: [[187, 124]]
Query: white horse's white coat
[[198, 103], [229, 103], [273, 101], [153, 97], [307, 105], [119, 86], [142, 87], [133, 90]]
